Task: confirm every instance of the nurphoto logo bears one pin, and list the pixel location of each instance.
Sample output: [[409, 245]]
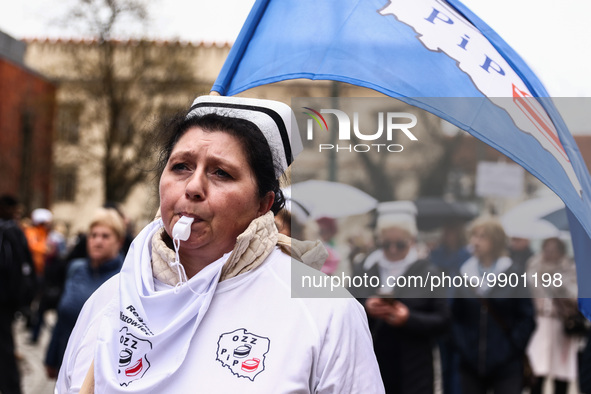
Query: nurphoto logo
[[390, 124]]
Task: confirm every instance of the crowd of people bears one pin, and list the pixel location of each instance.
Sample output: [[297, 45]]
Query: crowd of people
[[40, 272], [493, 337], [203, 292]]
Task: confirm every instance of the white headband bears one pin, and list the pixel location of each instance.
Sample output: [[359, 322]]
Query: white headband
[[275, 119]]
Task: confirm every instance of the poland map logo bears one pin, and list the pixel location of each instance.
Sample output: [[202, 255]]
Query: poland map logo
[[133, 363], [243, 353]]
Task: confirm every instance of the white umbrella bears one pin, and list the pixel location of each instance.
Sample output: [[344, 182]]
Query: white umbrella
[[535, 219], [331, 199]]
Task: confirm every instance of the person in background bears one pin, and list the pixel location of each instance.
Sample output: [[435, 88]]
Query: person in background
[[54, 274], [491, 324], [37, 237], [520, 252], [552, 352], [106, 234], [328, 228], [452, 250], [405, 323], [448, 256], [79, 250], [42, 250], [16, 282], [129, 232], [361, 244], [57, 238], [585, 367]]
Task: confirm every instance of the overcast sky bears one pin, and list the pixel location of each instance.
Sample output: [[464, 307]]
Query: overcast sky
[[553, 37]]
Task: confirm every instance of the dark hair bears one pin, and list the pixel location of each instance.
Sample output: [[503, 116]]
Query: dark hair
[[253, 142], [8, 206], [560, 245]]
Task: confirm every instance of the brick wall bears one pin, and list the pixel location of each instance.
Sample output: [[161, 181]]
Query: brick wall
[[27, 106]]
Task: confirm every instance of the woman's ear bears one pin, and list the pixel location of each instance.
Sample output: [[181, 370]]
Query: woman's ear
[[266, 203]]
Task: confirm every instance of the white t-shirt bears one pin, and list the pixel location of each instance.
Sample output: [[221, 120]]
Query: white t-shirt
[[254, 338]]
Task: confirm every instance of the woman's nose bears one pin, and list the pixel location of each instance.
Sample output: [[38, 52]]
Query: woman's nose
[[195, 188]]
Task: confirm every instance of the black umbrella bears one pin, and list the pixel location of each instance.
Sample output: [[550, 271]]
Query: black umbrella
[[436, 212]]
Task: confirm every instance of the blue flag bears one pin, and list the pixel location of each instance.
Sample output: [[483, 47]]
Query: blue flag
[[421, 51]]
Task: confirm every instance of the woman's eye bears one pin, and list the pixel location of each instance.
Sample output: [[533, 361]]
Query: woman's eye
[[221, 173], [179, 167]]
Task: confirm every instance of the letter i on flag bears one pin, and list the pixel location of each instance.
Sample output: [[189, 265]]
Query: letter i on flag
[[433, 54]]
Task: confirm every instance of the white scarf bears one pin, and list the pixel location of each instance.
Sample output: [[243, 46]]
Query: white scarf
[[153, 325], [473, 268], [389, 268]]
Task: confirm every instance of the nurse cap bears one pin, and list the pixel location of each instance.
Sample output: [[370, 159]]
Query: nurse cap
[[397, 214], [275, 119]]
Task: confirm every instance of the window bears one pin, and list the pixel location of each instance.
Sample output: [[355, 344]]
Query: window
[[64, 185], [68, 123]]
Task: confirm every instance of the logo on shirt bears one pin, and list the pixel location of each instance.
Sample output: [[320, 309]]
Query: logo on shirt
[[133, 363], [243, 352]]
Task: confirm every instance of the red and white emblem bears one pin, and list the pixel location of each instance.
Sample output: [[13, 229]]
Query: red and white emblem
[[243, 352], [133, 363]]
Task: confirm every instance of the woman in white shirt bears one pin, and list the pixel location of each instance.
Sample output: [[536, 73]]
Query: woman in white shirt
[[205, 305]]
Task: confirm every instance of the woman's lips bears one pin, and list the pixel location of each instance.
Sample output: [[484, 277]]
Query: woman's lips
[[196, 218]]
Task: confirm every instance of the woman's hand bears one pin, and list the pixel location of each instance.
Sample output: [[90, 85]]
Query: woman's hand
[[395, 313], [377, 308], [399, 315]]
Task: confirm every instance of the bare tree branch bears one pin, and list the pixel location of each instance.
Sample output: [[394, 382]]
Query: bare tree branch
[[126, 84]]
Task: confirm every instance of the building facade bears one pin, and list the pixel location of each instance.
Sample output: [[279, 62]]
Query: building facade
[[27, 110]]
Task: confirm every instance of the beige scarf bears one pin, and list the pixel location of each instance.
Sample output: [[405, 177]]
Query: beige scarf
[[251, 249]]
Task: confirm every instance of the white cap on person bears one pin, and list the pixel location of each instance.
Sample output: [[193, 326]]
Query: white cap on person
[[275, 119], [41, 215], [397, 214]]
